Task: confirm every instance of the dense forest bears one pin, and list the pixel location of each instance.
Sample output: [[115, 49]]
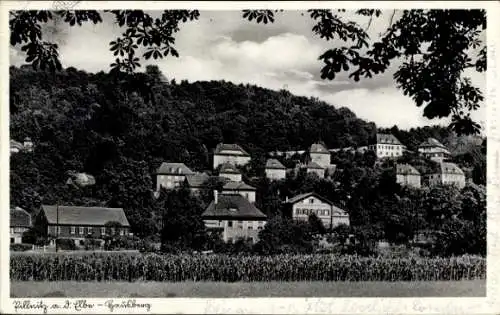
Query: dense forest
[[120, 127]]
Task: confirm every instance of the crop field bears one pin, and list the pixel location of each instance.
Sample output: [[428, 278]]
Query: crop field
[[134, 267]]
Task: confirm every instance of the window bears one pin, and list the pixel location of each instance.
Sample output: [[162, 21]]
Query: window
[[112, 231], [81, 230], [58, 230], [230, 223], [122, 231], [246, 195], [89, 230], [73, 230], [311, 200], [103, 230]]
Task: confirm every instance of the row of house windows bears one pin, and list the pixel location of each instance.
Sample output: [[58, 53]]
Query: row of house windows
[[389, 147], [81, 230], [239, 224], [318, 212], [17, 229]]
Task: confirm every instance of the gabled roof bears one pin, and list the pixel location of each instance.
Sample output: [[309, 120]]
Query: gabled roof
[[387, 138], [167, 168], [432, 142], [450, 168], [73, 215], [229, 168], [318, 148], [274, 164], [314, 165], [197, 180], [307, 195], [406, 169], [228, 148], [20, 218], [237, 186], [233, 206]]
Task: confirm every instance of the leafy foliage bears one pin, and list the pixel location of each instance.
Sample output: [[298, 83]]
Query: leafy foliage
[[433, 45]]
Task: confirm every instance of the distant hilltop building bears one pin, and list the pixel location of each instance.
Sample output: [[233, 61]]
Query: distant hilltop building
[[275, 170], [448, 174], [234, 217], [229, 171], [434, 150], [320, 155], [407, 175], [171, 175], [386, 146], [230, 153]]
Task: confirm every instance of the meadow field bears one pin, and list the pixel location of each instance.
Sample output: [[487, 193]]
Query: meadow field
[[210, 289]]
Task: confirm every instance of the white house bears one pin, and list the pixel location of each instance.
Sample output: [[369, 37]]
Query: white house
[[275, 170], [303, 205], [407, 175], [313, 167], [234, 217], [20, 222], [448, 174], [320, 155], [240, 188], [171, 175], [230, 153], [229, 171], [434, 150], [387, 146]]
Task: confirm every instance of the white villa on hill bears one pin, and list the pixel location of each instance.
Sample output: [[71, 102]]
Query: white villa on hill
[[448, 174], [171, 175], [230, 153], [275, 170], [434, 150], [387, 146], [407, 175]]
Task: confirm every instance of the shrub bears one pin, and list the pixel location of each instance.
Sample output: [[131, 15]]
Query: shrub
[[20, 247]]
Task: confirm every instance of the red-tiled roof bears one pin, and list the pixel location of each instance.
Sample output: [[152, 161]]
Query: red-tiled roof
[[223, 148], [19, 218], [274, 164], [232, 206], [318, 148], [73, 215], [387, 138], [167, 168], [237, 186]]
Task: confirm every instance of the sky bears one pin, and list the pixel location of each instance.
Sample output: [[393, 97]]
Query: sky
[[223, 46]]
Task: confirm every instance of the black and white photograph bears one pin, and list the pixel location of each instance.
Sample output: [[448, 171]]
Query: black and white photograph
[[248, 150]]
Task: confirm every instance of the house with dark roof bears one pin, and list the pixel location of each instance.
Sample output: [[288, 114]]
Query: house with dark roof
[[315, 168], [197, 182], [233, 217], [386, 145], [407, 175], [230, 153], [171, 175], [275, 170], [77, 223], [240, 188], [301, 206], [448, 174], [230, 171], [320, 155], [434, 150], [20, 222]]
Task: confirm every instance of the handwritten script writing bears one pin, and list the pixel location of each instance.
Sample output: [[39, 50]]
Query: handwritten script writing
[[22, 306]]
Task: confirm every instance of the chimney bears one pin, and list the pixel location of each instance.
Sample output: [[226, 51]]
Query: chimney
[[216, 196]]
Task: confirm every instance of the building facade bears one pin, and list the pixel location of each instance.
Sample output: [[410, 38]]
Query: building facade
[[320, 155], [234, 218], [448, 174], [20, 222], [230, 172], [79, 223], [314, 168], [434, 150], [240, 188], [302, 206], [230, 153], [386, 146], [407, 175], [171, 175], [275, 170]]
